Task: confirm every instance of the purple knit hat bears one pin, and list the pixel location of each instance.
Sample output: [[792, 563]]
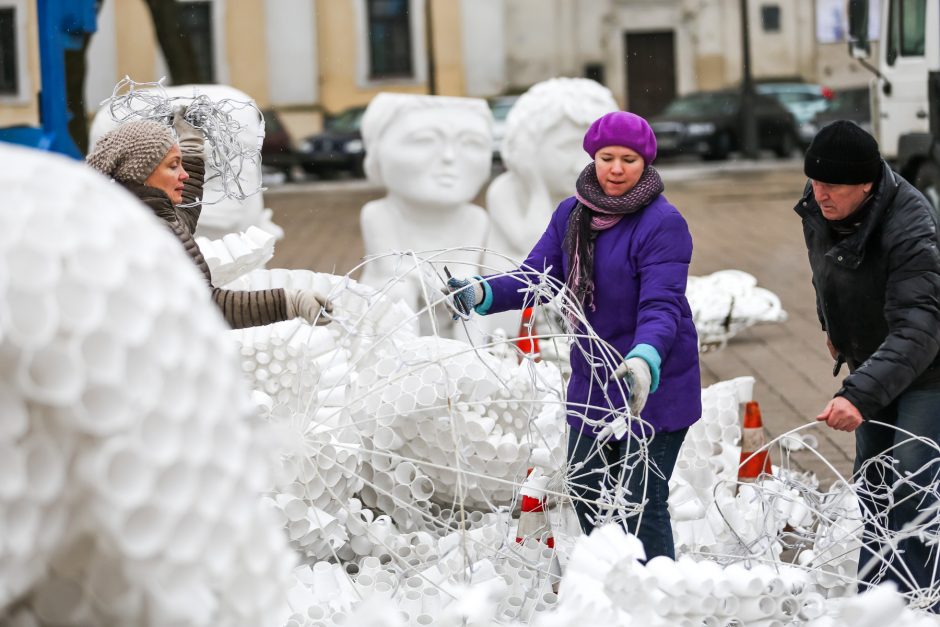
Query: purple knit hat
[[621, 128]]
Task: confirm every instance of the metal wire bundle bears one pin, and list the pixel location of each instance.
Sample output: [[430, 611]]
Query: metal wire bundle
[[231, 146]]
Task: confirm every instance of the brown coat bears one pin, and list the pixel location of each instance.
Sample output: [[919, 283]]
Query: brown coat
[[240, 308]]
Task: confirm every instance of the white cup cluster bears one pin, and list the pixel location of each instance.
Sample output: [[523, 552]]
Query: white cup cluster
[[606, 583], [129, 471], [432, 579], [726, 302], [318, 473], [465, 419], [235, 254], [833, 560], [711, 511]]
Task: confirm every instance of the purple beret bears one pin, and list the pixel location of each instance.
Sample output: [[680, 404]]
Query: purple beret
[[621, 128]]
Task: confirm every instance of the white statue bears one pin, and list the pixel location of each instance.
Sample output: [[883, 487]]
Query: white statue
[[543, 156], [221, 214], [432, 154]]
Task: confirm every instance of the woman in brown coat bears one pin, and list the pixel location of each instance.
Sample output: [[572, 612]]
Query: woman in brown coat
[[165, 169]]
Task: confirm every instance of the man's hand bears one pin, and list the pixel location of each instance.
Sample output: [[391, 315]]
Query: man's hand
[[841, 415]]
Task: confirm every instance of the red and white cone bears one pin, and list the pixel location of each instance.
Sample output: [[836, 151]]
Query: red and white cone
[[527, 340], [755, 460], [533, 521]]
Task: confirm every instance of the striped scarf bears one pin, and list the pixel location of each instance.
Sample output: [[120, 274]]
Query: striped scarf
[[595, 212]]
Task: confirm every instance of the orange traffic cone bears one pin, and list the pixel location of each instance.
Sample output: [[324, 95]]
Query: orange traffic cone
[[533, 521], [527, 342], [753, 463]]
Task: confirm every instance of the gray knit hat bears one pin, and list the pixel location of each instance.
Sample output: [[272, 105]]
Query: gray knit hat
[[132, 151]]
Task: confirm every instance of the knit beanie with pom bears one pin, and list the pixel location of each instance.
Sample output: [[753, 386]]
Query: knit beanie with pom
[[132, 151]]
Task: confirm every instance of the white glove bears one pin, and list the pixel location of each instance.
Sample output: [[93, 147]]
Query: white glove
[[309, 305], [190, 138], [636, 372]]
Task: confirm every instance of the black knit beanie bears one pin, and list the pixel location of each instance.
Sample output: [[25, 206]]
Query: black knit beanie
[[842, 153]]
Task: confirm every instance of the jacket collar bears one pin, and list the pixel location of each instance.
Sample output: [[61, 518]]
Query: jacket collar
[[156, 199], [850, 251]]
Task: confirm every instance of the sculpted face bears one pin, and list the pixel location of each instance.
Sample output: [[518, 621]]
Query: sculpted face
[[561, 157], [437, 156]]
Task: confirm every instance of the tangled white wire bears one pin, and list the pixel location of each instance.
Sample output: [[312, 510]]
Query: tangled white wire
[[226, 154], [443, 431]]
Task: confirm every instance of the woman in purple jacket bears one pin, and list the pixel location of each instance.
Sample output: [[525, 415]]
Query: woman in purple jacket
[[623, 252]]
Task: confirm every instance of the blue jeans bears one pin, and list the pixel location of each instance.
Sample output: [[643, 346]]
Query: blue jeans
[[602, 467], [916, 564]]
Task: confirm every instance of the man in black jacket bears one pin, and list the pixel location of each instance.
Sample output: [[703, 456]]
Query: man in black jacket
[[872, 240]]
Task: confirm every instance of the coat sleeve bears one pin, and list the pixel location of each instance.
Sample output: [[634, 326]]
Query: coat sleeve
[[819, 310], [504, 292], [663, 259], [912, 311], [251, 308], [192, 191]]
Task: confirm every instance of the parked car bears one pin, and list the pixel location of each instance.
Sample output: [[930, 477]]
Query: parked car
[[709, 124], [847, 104], [500, 106], [803, 100], [338, 148], [277, 150]]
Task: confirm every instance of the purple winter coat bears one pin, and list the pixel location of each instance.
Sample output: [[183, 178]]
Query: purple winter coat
[[641, 266]]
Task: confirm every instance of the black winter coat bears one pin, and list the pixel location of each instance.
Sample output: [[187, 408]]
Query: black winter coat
[[878, 293]]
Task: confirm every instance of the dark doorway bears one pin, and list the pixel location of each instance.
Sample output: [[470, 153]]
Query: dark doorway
[[651, 71]]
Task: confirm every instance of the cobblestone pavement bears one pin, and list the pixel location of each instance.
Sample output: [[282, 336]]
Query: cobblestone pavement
[[741, 216]]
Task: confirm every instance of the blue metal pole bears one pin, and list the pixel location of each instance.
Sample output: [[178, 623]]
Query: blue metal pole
[[62, 26]]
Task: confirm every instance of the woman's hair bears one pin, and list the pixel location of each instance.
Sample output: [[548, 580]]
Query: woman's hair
[[386, 107], [132, 151], [544, 105]]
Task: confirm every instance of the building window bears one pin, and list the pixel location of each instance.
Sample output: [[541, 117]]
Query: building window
[[196, 21], [389, 25], [9, 63], [770, 18], [595, 72]]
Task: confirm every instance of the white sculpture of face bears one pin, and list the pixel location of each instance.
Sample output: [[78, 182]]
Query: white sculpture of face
[[561, 157], [435, 156]]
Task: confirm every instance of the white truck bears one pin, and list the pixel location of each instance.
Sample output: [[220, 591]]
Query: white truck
[[905, 95]]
